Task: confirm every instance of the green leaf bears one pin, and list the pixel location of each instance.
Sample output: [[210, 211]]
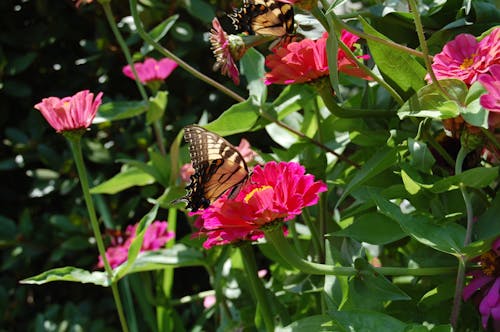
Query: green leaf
[[421, 157], [157, 107], [120, 110], [20, 63], [381, 160], [158, 32], [177, 256], [430, 102], [475, 114], [439, 294], [127, 178], [399, 67], [135, 246], [477, 178], [373, 228], [199, 9], [238, 118], [292, 99], [311, 323], [252, 66], [161, 165], [69, 273], [365, 320], [447, 238]]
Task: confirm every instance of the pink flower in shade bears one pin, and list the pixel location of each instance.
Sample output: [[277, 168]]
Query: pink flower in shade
[[70, 113], [306, 60], [491, 100], [465, 58], [227, 50], [155, 238], [209, 301], [151, 70], [277, 191], [244, 148], [485, 286]]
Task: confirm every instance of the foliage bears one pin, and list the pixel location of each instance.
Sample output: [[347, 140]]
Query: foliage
[[380, 251]]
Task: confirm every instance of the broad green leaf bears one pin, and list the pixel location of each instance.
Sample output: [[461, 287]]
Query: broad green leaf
[[430, 102], [475, 114], [370, 290], [441, 293], [373, 228], [292, 99], [177, 256], [421, 156], [411, 186], [158, 32], [252, 66], [69, 273], [238, 118], [162, 165], [135, 246], [399, 67], [19, 63], [366, 320], [157, 107], [448, 238], [145, 167], [311, 323], [381, 160], [477, 178], [120, 110], [488, 223], [128, 178], [199, 9]]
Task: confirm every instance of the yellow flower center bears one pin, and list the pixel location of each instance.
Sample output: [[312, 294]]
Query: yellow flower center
[[467, 62], [250, 194], [490, 263]]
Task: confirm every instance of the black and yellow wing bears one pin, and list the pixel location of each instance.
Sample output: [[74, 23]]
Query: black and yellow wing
[[261, 17], [218, 167]]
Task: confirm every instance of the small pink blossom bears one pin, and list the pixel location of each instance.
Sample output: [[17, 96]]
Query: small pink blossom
[[70, 113], [277, 191], [465, 58], [485, 285], [155, 238], [151, 70], [209, 301]]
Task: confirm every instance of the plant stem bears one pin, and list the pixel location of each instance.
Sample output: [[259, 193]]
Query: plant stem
[[457, 300], [76, 149], [280, 243], [179, 61], [423, 44], [258, 289]]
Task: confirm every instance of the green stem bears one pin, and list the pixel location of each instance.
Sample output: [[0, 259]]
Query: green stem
[[280, 243], [423, 44], [457, 299], [76, 149], [258, 289], [179, 61], [123, 45], [317, 240]]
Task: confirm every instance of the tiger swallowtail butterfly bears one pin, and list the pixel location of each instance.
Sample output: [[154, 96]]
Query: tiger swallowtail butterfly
[[218, 167]]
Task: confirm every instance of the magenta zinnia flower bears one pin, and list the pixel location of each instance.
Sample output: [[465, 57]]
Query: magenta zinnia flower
[[485, 286], [70, 113], [155, 238], [151, 70], [491, 82], [277, 191], [227, 50], [306, 60], [465, 58]]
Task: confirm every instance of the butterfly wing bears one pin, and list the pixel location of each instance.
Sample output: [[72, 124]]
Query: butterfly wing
[[262, 17], [218, 167]]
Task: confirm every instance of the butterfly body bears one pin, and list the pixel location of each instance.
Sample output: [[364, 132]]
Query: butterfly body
[[262, 17], [218, 167]]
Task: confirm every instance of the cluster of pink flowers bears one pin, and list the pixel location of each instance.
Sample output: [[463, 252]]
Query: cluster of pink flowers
[[276, 191], [484, 288], [151, 70], [155, 238], [306, 60]]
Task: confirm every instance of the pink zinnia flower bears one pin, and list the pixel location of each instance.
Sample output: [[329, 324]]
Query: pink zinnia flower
[[465, 58], [306, 60], [491, 100], [485, 286], [277, 191], [155, 238], [244, 148], [227, 50], [151, 70], [70, 113]]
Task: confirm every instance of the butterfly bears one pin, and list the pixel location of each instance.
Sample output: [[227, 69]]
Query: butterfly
[[261, 17], [218, 166]]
